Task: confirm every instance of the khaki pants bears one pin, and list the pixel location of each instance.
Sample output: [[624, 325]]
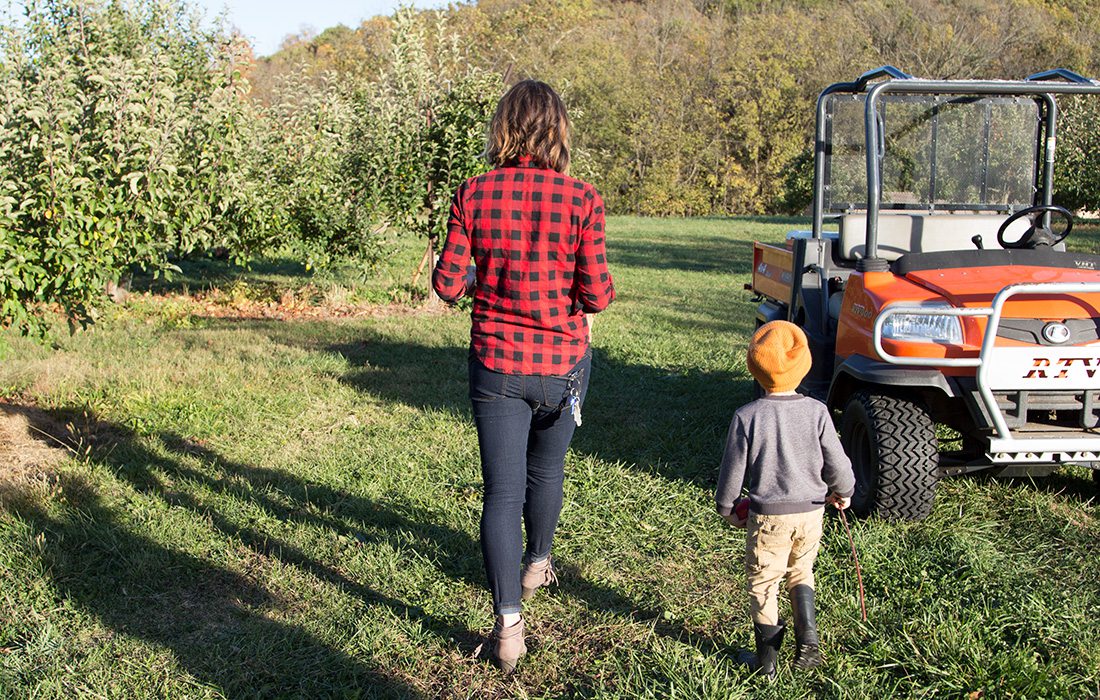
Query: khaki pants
[[778, 545]]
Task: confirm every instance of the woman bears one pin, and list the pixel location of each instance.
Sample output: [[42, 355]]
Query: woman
[[536, 239]]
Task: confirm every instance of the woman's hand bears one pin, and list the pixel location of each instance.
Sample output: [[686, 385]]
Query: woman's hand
[[839, 502], [471, 278]]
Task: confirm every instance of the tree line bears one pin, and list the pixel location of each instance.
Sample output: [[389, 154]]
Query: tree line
[[705, 107]]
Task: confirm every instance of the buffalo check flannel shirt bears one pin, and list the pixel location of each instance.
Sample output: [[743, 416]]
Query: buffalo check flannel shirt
[[537, 239]]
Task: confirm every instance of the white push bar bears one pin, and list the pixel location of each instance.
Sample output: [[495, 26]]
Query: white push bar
[[1005, 444]]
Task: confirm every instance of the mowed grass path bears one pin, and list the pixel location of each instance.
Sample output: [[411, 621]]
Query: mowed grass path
[[261, 508]]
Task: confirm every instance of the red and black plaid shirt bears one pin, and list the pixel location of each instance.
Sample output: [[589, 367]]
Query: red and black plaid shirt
[[537, 238]]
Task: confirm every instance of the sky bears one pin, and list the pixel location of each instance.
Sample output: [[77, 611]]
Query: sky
[[267, 22]]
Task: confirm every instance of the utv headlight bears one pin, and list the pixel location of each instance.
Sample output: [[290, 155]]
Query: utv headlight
[[916, 327]]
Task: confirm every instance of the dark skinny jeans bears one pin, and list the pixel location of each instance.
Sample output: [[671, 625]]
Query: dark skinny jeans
[[524, 427]]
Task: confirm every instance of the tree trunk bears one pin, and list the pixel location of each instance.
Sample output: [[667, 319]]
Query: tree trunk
[[428, 257], [119, 290]]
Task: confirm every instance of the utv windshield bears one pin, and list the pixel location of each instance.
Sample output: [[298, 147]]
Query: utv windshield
[[939, 152]]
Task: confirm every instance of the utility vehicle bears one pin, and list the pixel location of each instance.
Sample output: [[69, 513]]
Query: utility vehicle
[[951, 331]]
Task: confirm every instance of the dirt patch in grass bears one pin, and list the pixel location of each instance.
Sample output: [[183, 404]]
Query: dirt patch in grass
[[1075, 516], [31, 441], [288, 306]]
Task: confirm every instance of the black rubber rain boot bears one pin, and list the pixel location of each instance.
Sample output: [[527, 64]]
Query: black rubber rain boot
[[768, 640], [807, 653]]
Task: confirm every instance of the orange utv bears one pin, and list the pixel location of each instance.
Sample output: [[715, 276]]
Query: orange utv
[[951, 330]]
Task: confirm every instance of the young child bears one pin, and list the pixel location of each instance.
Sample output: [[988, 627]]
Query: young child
[[784, 448]]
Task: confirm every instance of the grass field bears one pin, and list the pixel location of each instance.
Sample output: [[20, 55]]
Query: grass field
[[272, 490]]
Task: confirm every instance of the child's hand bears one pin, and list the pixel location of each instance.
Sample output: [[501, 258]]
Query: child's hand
[[739, 517], [838, 502], [732, 519]]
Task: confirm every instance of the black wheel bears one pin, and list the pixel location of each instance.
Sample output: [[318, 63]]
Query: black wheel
[[892, 445]]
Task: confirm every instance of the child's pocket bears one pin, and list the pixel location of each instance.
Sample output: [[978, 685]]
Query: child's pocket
[[768, 539]]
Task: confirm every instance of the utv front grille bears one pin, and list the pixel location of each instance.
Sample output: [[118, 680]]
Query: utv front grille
[[1030, 330], [1062, 409]]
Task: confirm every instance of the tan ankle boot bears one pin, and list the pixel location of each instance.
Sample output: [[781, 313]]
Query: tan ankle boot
[[508, 645], [537, 575]]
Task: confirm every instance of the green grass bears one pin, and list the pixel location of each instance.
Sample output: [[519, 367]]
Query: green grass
[[1085, 236], [263, 508]]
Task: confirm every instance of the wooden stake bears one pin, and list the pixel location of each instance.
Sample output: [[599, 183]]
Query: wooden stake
[[423, 262]]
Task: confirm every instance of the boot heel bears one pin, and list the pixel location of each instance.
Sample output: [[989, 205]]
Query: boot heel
[[508, 646], [507, 666], [537, 575]]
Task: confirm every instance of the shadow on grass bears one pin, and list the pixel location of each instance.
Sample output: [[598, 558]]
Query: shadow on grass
[[668, 423], [202, 273], [802, 222], [698, 253], [1081, 490], [217, 621]]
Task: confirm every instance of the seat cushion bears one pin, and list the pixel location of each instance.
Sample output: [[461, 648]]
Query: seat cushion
[[899, 234]]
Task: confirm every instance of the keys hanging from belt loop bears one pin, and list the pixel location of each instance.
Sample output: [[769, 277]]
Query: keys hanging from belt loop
[[575, 405], [572, 399]]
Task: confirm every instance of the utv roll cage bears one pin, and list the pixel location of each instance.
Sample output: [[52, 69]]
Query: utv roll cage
[[876, 83]]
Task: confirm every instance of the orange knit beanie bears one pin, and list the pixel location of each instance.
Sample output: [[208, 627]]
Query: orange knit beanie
[[778, 356]]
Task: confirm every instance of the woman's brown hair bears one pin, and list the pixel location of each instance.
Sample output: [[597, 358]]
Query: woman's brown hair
[[530, 121]]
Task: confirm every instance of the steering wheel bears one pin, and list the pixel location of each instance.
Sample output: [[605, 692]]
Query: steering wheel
[[1036, 235]]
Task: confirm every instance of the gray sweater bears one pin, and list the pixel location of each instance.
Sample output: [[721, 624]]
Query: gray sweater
[[785, 449]]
